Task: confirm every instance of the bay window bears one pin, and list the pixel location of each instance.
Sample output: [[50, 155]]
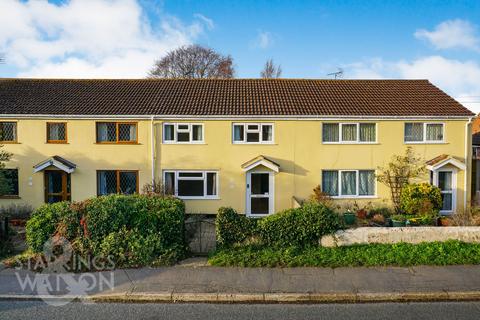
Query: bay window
[[191, 184], [349, 132], [182, 133], [419, 132], [252, 133], [349, 183]]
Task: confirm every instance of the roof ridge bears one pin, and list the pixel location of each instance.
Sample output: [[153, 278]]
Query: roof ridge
[[214, 79]]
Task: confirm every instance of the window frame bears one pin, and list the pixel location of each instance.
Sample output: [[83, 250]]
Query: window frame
[[13, 196], [57, 141], [117, 176], [357, 186], [16, 133], [259, 131], [204, 178], [425, 141], [189, 130], [117, 125], [340, 133]]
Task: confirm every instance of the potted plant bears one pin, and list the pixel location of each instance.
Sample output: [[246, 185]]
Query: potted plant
[[444, 221], [398, 220]]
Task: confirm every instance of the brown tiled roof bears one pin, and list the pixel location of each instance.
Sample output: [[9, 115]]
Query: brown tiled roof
[[236, 97]]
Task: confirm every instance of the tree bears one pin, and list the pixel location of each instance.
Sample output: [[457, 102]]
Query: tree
[[193, 62], [399, 172], [271, 71]]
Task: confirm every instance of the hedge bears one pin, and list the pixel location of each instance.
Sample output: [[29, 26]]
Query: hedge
[[133, 230], [301, 226]]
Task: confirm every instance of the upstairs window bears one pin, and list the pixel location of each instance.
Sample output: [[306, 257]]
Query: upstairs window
[[117, 132], [117, 181], [419, 132], [8, 131], [182, 133], [252, 133], [56, 132], [9, 186], [349, 132], [191, 184], [349, 183]]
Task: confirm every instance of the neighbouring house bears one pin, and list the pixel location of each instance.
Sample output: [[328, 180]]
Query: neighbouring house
[[476, 160], [253, 144]]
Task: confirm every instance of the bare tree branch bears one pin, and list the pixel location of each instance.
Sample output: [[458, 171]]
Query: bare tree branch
[[270, 70], [193, 62]]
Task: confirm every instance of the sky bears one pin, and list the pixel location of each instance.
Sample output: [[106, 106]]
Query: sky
[[374, 39]]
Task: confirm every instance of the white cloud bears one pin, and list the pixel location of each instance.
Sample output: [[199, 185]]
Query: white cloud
[[208, 22], [264, 40], [460, 79], [88, 38], [451, 34]]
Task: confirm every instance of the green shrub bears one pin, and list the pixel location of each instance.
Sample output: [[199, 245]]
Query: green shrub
[[232, 228], [134, 230], [300, 226], [421, 199], [43, 223]]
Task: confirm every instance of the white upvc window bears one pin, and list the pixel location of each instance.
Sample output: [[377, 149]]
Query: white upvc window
[[253, 133], [183, 133], [349, 132], [191, 184], [424, 132], [349, 183]]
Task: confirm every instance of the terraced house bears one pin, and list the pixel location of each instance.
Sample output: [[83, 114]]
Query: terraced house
[[256, 145]]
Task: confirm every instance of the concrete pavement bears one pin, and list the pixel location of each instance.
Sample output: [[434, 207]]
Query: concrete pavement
[[201, 283]]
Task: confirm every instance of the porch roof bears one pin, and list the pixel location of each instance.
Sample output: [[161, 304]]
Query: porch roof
[[261, 161], [55, 161], [444, 159]]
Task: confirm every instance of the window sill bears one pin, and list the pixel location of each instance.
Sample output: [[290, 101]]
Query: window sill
[[184, 143], [351, 143], [118, 143], [9, 142], [354, 197], [10, 197], [256, 143], [199, 198], [49, 142], [425, 142]]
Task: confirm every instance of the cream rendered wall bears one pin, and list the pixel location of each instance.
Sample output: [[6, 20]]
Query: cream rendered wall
[[302, 156], [297, 148], [81, 149]]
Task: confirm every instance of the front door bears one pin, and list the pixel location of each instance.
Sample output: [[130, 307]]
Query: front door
[[445, 180], [259, 193], [57, 186]]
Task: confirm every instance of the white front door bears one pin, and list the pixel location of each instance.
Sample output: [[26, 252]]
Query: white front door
[[446, 181], [260, 193]]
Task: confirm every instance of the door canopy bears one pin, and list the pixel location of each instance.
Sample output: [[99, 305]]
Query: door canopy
[[261, 161], [444, 159], [57, 162]]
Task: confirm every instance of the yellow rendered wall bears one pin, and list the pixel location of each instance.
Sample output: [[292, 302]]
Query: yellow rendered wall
[[302, 156], [81, 149], [297, 148]]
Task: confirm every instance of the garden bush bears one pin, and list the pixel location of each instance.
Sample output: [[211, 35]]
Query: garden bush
[[421, 199], [133, 230], [232, 228], [300, 226]]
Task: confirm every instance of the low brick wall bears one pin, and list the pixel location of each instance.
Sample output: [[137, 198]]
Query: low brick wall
[[369, 235]]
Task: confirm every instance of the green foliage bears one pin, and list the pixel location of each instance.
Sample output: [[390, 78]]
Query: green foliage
[[43, 223], [398, 173], [134, 230], [401, 254], [421, 199], [300, 226], [232, 228], [384, 211], [399, 217]]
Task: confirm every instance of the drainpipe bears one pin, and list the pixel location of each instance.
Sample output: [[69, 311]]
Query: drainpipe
[[152, 133], [468, 161]]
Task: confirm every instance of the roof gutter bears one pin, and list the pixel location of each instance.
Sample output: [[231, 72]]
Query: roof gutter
[[229, 117]]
